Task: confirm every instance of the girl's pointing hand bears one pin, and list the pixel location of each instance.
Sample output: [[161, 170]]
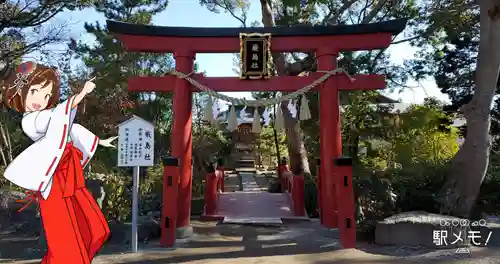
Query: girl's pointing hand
[[107, 142], [89, 86]]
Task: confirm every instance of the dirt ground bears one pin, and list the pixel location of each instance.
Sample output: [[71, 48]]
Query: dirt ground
[[305, 242], [292, 243]]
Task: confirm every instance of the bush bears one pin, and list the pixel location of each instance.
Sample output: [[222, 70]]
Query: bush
[[490, 189], [374, 194], [382, 193], [117, 202], [418, 185]]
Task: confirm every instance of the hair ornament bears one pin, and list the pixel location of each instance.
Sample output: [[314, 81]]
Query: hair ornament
[[22, 73]]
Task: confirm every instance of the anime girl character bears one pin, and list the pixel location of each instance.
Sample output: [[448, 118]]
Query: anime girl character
[[52, 167]]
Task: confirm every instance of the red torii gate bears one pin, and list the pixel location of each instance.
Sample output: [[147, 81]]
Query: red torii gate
[[326, 41]]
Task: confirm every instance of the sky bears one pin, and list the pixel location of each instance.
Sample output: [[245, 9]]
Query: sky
[[189, 13]]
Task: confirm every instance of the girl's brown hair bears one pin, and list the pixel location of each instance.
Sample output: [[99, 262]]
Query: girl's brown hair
[[15, 96]]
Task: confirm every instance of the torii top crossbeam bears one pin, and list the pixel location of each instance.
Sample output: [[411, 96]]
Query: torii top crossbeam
[[285, 39], [160, 39]]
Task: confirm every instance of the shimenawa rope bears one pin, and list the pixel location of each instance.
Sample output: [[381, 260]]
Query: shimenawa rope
[[305, 112], [257, 103]]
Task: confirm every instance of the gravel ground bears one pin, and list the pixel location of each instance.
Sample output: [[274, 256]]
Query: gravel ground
[[292, 244], [299, 243]]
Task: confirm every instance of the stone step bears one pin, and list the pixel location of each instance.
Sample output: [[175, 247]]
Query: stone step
[[246, 160], [273, 221], [245, 163]]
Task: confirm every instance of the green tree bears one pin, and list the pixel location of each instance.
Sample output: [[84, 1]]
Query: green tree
[[404, 157], [428, 22], [420, 138], [321, 12], [471, 162], [267, 146], [111, 103], [24, 28], [466, 66], [108, 61]]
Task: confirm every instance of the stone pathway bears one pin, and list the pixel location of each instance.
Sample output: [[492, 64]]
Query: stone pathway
[[262, 181], [248, 182], [232, 182], [254, 204], [304, 243], [291, 243]]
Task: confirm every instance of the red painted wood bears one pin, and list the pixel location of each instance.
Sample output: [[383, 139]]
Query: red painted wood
[[181, 135], [169, 209], [263, 204], [320, 197], [346, 207], [330, 137], [234, 84], [232, 44], [298, 193], [282, 169], [211, 185]]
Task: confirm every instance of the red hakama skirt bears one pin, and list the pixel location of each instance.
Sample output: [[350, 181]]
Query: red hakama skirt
[[74, 225]]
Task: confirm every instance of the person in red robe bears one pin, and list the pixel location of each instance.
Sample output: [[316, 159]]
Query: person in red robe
[[52, 167]]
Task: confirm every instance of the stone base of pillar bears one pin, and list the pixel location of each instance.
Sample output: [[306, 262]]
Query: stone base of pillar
[[183, 232]]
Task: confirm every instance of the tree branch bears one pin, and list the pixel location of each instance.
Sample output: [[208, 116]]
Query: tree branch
[[37, 15], [373, 12], [362, 13], [229, 9], [268, 21], [335, 19]]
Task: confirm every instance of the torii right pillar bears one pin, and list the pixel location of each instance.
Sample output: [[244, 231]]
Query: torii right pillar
[[337, 198], [330, 136]]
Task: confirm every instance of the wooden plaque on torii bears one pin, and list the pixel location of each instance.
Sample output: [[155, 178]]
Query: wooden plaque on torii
[[255, 56]]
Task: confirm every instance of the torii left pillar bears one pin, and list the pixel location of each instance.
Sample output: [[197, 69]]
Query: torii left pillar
[[181, 140]]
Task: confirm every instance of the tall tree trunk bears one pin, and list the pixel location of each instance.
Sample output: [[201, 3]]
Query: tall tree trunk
[[6, 139], [470, 164], [297, 149], [5, 146]]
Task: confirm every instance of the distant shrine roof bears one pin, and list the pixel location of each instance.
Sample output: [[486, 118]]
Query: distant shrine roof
[[391, 26]]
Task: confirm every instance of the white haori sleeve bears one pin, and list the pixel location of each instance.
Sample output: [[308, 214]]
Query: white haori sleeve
[[42, 120], [85, 141], [34, 167]]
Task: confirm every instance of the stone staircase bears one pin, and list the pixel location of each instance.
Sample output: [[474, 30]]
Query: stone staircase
[[245, 161]]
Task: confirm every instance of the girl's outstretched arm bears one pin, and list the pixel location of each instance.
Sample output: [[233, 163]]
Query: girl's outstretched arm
[[85, 141], [107, 142], [87, 88]]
